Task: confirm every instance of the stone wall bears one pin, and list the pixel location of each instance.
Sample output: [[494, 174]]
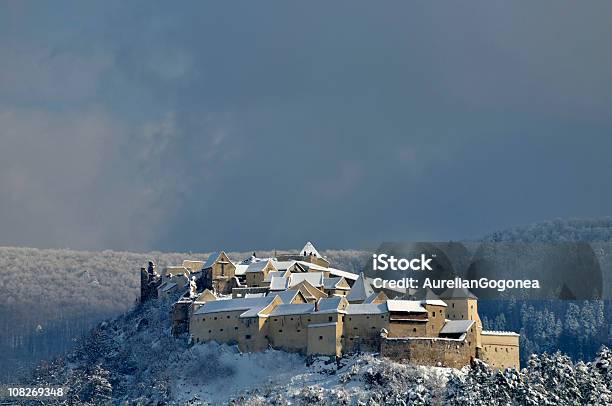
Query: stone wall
[[428, 351], [500, 350]]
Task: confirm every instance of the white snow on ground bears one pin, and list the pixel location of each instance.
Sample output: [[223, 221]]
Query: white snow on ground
[[217, 374]]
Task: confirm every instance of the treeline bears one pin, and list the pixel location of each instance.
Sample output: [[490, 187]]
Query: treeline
[[577, 328]]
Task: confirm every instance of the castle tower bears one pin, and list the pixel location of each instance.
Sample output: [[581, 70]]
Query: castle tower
[[462, 305]]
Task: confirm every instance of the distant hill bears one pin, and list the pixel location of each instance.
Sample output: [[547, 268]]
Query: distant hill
[[49, 298], [558, 230]]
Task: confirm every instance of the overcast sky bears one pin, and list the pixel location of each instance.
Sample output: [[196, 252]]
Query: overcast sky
[[199, 126]]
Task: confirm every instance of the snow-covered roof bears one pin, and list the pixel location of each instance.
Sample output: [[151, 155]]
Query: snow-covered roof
[[234, 304], [346, 275], [328, 304], [277, 274], [500, 333], [331, 283], [252, 295], [286, 296], [314, 278], [310, 265], [437, 302], [406, 306], [360, 291], [279, 283], [211, 259], [309, 249], [287, 309], [257, 266], [367, 308], [456, 326], [283, 265], [240, 269]]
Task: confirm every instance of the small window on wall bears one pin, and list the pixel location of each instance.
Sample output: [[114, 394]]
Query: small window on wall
[[414, 330], [280, 331], [235, 328], [330, 318], [453, 305], [320, 337], [248, 336], [433, 314]]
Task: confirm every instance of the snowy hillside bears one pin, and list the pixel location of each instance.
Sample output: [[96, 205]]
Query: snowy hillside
[[558, 230], [133, 358]]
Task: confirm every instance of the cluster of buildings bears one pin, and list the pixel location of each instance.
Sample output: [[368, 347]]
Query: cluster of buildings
[[299, 303]]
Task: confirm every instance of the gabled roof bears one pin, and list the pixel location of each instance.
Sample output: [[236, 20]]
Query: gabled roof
[[456, 326], [288, 309], [233, 305], [257, 266], [206, 293], [240, 269], [375, 296], [332, 283], [314, 278], [328, 304], [360, 291], [309, 249], [309, 291], [279, 283], [309, 265], [286, 296], [457, 293], [346, 275], [367, 308], [282, 265], [406, 306], [211, 259]]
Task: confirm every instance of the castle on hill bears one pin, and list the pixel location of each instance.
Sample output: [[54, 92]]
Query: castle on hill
[[300, 303]]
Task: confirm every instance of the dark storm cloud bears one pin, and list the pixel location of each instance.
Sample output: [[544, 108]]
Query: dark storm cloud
[[204, 126]]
